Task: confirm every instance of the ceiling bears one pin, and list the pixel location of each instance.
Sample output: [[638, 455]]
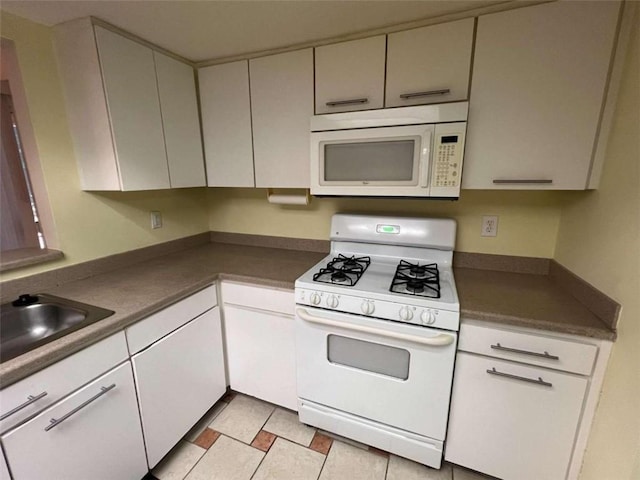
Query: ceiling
[[205, 30]]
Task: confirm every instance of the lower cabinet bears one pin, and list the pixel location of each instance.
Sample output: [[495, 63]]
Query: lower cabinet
[[522, 401], [260, 342], [93, 433], [179, 378]]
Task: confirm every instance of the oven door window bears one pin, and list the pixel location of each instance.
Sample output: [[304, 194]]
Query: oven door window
[[378, 162], [371, 357]]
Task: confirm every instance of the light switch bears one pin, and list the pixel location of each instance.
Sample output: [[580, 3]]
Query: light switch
[[156, 220]]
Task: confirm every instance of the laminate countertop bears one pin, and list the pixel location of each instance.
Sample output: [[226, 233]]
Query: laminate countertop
[[136, 291]]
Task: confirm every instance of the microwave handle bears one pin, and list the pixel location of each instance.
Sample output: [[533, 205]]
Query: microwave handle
[[425, 161], [440, 340]]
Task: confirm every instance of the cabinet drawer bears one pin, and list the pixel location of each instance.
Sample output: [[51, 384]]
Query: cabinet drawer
[[156, 326], [101, 438], [528, 348], [263, 298], [510, 425], [60, 379]]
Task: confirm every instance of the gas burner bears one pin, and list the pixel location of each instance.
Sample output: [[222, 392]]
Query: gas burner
[[343, 270], [416, 279]]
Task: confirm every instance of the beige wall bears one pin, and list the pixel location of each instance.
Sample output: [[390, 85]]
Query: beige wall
[[527, 226], [599, 239], [89, 225]]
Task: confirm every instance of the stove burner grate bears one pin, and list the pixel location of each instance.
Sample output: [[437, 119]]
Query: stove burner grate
[[416, 279], [342, 270]]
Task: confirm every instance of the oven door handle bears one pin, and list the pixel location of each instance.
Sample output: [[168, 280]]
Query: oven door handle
[[440, 340]]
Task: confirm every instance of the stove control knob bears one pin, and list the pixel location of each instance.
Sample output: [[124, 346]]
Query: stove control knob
[[367, 307], [427, 317], [332, 301], [406, 314], [315, 299]]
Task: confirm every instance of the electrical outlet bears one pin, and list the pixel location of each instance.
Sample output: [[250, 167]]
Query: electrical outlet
[[156, 220], [489, 226]]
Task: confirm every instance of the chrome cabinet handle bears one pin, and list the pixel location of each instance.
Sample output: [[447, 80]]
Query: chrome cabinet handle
[[539, 381], [524, 181], [354, 101], [54, 422], [30, 399], [439, 340], [546, 354], [429, 93]]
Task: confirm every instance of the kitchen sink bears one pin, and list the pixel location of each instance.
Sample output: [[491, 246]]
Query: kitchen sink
[[32, 321]]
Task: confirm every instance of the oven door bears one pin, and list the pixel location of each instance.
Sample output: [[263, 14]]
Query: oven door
[[392, 373], [372, 161]]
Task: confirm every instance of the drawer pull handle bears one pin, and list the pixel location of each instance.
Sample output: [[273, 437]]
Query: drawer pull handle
[[54, 422], [430, 93], [523, 181], [546, 354], [30, 399], [539, 381], [353, 101]]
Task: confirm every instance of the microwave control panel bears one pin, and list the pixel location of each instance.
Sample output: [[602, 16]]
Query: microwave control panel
[[448, 154], [448, 161]]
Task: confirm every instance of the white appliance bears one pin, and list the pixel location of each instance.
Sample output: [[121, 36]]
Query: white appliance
[[397, 152], [376, 334]]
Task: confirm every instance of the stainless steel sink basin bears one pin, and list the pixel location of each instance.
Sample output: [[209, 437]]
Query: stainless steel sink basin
[[23, 328]]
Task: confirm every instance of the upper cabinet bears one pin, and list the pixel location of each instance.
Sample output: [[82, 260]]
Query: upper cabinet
[[281, 106], [350, 75], [539, 80], [429, 64], [226, 124], [132, 111]]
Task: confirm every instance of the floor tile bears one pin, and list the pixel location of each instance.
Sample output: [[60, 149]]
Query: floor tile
[[289, 461], [403, 469], [285, 424], [205, 421], [228, 459], [178, 462], [377, 451], [243, 418], [206, 438], [263, 441], [461, 473], [348, 462], [321, 443]]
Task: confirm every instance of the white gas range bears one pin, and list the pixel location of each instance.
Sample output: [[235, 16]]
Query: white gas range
[[376, 334]]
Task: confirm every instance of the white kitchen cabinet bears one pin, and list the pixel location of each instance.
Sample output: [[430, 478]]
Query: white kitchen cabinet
[[4, 470], [178, 379], [226, 124], [180, 121], [131, 111], [539, 79], [260, 342], [523, 401], [429, 64], [281, 106], [99, 435], [350, 75]]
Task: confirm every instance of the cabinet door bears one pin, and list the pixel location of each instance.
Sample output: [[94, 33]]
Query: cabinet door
[[179, 107], [4, 470], [178, 379], [430, 64], [226, 124], [350, 75], [539, 79], [101, 440], [261, 358], [129, 76], [509, 427], [281, 106]]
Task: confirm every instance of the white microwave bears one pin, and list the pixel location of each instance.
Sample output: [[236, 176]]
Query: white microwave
[[397, 152]]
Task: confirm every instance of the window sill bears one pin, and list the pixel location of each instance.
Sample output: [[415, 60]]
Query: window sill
[[22, 257]]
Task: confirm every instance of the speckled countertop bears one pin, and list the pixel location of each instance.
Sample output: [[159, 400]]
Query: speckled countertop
[[135, 292]]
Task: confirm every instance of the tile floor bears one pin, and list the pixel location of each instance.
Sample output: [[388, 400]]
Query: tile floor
[[242, 438]]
